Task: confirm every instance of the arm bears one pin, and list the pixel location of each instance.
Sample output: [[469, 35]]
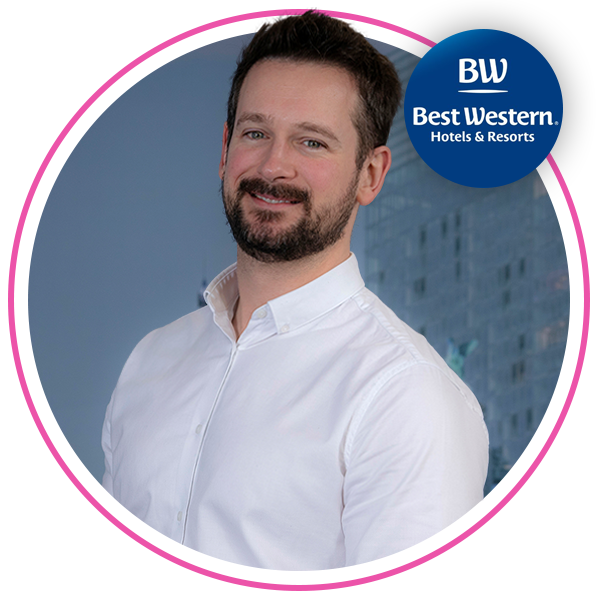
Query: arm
[[416, 461]]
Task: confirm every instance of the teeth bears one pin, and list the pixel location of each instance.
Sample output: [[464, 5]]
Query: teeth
[[271, 200]]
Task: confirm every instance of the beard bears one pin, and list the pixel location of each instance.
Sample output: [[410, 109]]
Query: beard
[[258, 236]]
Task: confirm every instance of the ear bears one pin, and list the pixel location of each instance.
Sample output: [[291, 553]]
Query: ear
[[373, 174], [223, 160]]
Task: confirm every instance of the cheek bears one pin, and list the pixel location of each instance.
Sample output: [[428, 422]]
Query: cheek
[[328, 178], [241, 162]]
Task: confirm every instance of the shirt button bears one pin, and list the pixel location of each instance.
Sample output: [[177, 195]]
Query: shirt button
[[262, 313], [284, 328], [199, 429], [179, 516]]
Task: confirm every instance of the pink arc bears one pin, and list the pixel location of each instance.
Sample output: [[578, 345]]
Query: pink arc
[[32, 191]]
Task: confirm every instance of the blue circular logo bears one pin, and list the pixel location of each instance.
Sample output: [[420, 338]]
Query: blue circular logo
[[483, 108]]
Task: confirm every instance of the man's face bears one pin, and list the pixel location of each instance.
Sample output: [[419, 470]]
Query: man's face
[[289, 173]]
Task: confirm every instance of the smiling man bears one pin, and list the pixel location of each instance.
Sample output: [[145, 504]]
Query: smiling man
[[295, 422]]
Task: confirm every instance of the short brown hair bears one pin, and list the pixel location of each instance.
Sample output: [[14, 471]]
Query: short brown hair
[[316, 37]]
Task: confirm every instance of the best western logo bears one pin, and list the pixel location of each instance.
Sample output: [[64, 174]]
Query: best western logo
[[490, 71], [483, 108], [479, 116], [468, 72]]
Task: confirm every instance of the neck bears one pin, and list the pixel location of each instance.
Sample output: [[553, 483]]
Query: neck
[[259, 282]]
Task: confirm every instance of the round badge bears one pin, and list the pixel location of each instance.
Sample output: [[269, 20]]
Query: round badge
[[483, 108]]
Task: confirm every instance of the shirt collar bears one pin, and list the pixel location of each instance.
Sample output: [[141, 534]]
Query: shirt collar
[[296, 308]]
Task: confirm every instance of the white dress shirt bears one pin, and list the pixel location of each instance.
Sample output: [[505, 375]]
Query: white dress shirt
[[328, 434]]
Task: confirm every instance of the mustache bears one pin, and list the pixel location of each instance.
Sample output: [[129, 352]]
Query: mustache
[[280, 191]]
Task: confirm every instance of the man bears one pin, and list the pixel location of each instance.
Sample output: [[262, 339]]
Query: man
[[295, 422]]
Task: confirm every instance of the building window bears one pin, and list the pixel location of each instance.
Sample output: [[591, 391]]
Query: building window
[[518, 371], [457, 220], [514, 424], [505, 298], [420, 287], [381, 277], [422, 330], [444, 227], [423, 237], [504, 274], [522, 267], [522, 342], [529, 419], [458, 271], [457, 245]]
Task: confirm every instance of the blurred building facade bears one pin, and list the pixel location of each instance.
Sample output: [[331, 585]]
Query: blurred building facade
[[482, 273]]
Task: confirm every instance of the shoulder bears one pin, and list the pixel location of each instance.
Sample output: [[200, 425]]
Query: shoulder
[[408, 350], [413, 385], [169, 343]]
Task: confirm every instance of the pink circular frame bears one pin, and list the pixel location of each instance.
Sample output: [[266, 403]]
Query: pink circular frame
[[388, 580]]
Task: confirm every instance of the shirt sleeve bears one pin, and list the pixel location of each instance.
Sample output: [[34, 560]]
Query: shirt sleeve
[[100, 548], [416, 461]]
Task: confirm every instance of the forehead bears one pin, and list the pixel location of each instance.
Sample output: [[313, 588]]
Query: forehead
[[290, 91]]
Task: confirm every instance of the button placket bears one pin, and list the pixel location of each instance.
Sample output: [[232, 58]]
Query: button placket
[[201, 430]]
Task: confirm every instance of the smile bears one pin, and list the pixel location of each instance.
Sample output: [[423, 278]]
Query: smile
[[274, 200]]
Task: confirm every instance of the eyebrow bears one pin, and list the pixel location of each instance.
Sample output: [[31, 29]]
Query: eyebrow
[[319, 130], [304, 126], [253, 118]]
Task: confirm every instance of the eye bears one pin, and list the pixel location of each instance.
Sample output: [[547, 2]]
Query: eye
[[255, 135], [313, 144]]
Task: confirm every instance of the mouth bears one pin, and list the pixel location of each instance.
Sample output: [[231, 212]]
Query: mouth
[[273, 197], [271, 200]]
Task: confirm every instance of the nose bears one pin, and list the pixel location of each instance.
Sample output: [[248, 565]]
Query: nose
[[277, 162]]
